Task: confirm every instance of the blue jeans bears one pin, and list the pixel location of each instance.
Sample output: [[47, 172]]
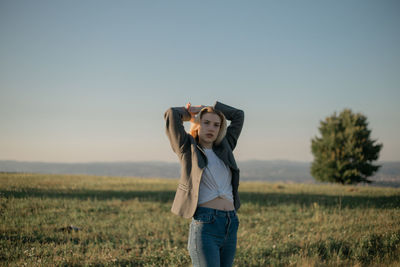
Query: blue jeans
[[212, 237]]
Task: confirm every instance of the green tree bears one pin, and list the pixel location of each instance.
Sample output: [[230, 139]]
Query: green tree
[[345, 151]]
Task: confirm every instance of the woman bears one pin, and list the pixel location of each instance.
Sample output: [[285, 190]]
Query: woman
[[208, 186]]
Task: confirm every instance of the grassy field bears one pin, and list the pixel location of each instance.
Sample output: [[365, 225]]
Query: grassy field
[[64, 220]]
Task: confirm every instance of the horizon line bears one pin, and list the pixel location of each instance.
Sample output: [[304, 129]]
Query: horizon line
[[160, 161]]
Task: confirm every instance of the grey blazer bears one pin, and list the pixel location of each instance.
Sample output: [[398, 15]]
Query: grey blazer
[[193, 159]]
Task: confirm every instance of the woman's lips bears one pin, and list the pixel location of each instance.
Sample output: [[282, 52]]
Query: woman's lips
[[209, 135]]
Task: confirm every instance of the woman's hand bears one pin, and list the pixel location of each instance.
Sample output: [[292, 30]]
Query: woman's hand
[[193, 110]]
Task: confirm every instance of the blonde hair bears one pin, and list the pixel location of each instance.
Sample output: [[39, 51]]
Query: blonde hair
[[195, 125]]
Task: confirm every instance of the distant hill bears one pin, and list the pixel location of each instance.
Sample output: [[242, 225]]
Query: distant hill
[[275, 171], [272, 171], [137, 169], [388, 174]]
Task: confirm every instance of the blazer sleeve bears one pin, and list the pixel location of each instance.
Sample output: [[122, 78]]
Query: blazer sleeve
[[236, 117], [178, 137]]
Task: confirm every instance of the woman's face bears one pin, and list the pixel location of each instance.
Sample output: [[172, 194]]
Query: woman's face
[[210, 123]]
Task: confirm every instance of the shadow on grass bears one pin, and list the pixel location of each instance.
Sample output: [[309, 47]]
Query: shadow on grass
[[157, 196], [352, 202], [262, 199]]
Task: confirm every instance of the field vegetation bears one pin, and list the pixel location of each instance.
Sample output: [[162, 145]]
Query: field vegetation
[[75, 220]]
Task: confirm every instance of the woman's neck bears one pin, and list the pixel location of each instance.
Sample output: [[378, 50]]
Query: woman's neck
[[206, 145]]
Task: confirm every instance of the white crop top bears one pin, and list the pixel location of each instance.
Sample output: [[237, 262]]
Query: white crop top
[[216, 180]]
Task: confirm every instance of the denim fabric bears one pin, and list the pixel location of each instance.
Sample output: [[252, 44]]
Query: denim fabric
[[212, 237]]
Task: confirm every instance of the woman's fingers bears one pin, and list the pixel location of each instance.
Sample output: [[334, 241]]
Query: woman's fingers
[[193, 109], [196, 109]]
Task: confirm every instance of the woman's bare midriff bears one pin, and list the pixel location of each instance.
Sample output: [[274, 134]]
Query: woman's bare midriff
[[218, 203]]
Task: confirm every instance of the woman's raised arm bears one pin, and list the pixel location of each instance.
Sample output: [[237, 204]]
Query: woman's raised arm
[[178, 137], [236, 116]]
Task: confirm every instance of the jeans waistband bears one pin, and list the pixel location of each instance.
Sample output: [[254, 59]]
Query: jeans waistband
[[221, 213]]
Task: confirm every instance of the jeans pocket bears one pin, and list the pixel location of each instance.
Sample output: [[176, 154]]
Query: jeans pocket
[[204, 218]]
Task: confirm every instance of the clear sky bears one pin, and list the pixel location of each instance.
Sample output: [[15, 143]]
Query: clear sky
[[90, 80]]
